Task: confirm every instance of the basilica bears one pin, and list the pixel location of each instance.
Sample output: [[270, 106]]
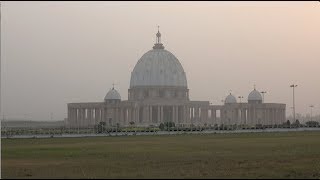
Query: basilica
[[159, 93]]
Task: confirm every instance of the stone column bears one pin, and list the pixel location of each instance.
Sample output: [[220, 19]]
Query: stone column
[[264, 117], [126, 114], [98, 115], [158, 117], [146, 115], [75, 117], [272, 119], [116, 118], [177, 114], [236, 116], [121, 116], [249, 116], [254, 119], [201, 118], [138, 114], [278, 116], [89, 117], [102, 119], [206, 116], [196, 114], [185, 116], [133, 115], [213, 116], [245, 116], [150, 114], [76, 121], [201, 115], [192, 113], [161, 114], [173, 113], [83, 117], [70, 117], [267, 117], [80, 117]]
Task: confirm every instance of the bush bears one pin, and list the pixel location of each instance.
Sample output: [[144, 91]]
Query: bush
[[312, 124]]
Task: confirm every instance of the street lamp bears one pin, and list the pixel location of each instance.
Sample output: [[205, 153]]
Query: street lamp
[[263, 92], [294, 109], [311, 106]]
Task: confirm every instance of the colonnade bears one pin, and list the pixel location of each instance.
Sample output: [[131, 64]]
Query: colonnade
[[179, 114], [253, 116]]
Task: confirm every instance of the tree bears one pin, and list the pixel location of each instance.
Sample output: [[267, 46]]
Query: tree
[[161, 126], [131, 123], [101, 127], [288, 123], [168, 125], [296, 123], [215, 126]]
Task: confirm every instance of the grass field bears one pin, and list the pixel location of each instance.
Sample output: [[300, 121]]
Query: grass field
[[247, 155]]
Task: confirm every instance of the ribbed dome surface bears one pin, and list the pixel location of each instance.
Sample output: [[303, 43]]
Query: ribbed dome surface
[[255, 96], [158, 67], [112, 94], [230, 99]]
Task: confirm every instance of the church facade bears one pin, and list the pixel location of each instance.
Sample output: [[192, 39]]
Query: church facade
[[159, 93]]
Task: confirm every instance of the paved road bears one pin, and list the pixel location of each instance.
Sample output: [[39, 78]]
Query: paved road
[[165, 133]]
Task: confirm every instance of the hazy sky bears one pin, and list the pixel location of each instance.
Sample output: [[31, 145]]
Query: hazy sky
[[54, 53]]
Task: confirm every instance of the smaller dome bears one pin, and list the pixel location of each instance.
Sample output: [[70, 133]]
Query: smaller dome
[[230, 99], [112, 94], [255, 96]]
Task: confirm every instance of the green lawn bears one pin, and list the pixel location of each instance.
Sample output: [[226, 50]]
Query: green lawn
[[248, 155]]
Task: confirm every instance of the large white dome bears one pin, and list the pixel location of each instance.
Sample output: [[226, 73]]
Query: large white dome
[[158, 67]]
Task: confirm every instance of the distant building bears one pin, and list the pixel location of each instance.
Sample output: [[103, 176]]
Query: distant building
[[159, 93]]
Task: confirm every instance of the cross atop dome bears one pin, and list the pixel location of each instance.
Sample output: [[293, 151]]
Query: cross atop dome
[[113, 85], [158, 44]]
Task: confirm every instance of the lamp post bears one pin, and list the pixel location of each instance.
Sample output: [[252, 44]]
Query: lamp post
[[294, 109], [311, 106], [241, 111], [240, 97], [263, 92]]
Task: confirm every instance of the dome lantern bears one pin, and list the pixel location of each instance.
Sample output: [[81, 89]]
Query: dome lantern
[[158, 44]]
